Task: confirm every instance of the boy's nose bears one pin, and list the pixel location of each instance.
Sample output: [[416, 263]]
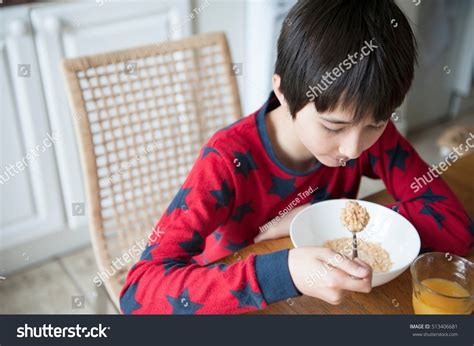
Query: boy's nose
[[350, 148]]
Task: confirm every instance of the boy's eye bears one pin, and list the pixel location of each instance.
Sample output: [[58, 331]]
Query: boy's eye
[[332, 131], [378, 127]]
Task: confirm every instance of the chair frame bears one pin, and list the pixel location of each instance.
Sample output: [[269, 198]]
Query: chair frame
[[85, 139]]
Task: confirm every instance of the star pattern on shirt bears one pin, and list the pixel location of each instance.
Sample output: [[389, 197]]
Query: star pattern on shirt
[[429, 197], [220, 266], [146, 255], [128, 301], [372, 161], [247, 297], [207, 150], [233, 247], [428, 210], [320, 195], [397, 157], [217, 235], [470, 227], [352, 192], [282, 187], [179, 201], [244, 163], [182, 305], [351, 163], [193, 246], [241, 211], [170, 263], [224, 195]]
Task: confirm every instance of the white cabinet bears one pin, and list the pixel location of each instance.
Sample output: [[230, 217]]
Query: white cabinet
[[30, 202], [36, 205]]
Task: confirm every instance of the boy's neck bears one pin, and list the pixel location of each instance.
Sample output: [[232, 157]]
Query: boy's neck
[[286, 145]]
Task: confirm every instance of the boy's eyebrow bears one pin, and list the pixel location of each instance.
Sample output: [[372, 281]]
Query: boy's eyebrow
[[336, 121]]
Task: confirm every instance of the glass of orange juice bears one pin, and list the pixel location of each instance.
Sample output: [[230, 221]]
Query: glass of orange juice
[[442, 284]]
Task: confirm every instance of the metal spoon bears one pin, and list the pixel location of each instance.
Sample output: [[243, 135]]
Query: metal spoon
[[354, 245]]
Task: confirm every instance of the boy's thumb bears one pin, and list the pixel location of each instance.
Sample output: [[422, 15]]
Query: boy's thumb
[[259, 238]]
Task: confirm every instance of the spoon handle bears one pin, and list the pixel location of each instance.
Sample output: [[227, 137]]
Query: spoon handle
[[354, 245]]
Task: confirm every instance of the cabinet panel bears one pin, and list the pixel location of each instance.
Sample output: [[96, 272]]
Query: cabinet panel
[[16, 191], [31, 204]]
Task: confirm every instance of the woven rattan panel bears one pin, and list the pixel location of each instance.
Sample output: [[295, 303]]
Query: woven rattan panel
[[148, 117]]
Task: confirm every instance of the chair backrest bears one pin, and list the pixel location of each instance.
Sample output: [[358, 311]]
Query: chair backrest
[[141, 116]]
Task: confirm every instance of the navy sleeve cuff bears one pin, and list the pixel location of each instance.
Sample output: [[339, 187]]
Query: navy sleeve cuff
[[274, 277]]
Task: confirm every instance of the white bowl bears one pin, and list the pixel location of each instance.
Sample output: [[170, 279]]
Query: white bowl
[[321, 222]]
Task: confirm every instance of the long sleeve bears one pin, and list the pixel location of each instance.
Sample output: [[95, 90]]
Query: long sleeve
[[167, 280], [422, 196]]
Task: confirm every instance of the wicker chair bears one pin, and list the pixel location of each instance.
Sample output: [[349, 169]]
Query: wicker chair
[[141, 116]]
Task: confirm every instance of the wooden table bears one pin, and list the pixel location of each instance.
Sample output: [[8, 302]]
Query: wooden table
[[391, 298]]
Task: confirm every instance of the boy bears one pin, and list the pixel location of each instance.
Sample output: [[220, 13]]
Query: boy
[[342, 69]]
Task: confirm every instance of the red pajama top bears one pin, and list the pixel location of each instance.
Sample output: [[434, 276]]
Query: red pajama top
[[236, 185]]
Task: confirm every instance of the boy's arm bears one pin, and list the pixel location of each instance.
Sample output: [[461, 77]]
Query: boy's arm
[[437, 214], [167, 281]]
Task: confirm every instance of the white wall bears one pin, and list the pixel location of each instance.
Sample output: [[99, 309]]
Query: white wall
[[227, 16]]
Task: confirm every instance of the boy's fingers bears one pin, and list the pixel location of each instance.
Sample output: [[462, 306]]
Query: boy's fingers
[[344, 281], [362, 263], [342, 262]]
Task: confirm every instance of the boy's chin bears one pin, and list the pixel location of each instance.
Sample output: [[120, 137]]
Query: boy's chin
[[328, 161]]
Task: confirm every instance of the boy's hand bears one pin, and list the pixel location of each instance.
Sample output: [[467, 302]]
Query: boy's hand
[[322, 273], [280, 229]]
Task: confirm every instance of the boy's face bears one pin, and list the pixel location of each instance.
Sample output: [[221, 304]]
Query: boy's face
[[333, 136]]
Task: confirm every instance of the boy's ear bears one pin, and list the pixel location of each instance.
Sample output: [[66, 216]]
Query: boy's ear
[[276, 89]]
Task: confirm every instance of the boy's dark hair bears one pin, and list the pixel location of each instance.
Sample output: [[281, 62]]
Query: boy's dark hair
[[317, 36]]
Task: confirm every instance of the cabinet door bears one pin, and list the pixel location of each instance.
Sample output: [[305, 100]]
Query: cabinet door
[[30, 200], [71, 30]]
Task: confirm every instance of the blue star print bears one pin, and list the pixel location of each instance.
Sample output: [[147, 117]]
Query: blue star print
[[220, 266], [282, 187], [193, 246], [470, 228], [182, 305], [207, 150], [372, 161], [427, 210], [429, 197], [236, 246], [179, 201], [128, 302], [170, 263], [397, 157], [244, 163], [351, 163], [241, 211], [224, 195], [247, 297], [217, 235], [320, 195], [146, 255]]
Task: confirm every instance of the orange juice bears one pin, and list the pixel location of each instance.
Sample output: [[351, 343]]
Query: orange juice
[[448, 298]]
